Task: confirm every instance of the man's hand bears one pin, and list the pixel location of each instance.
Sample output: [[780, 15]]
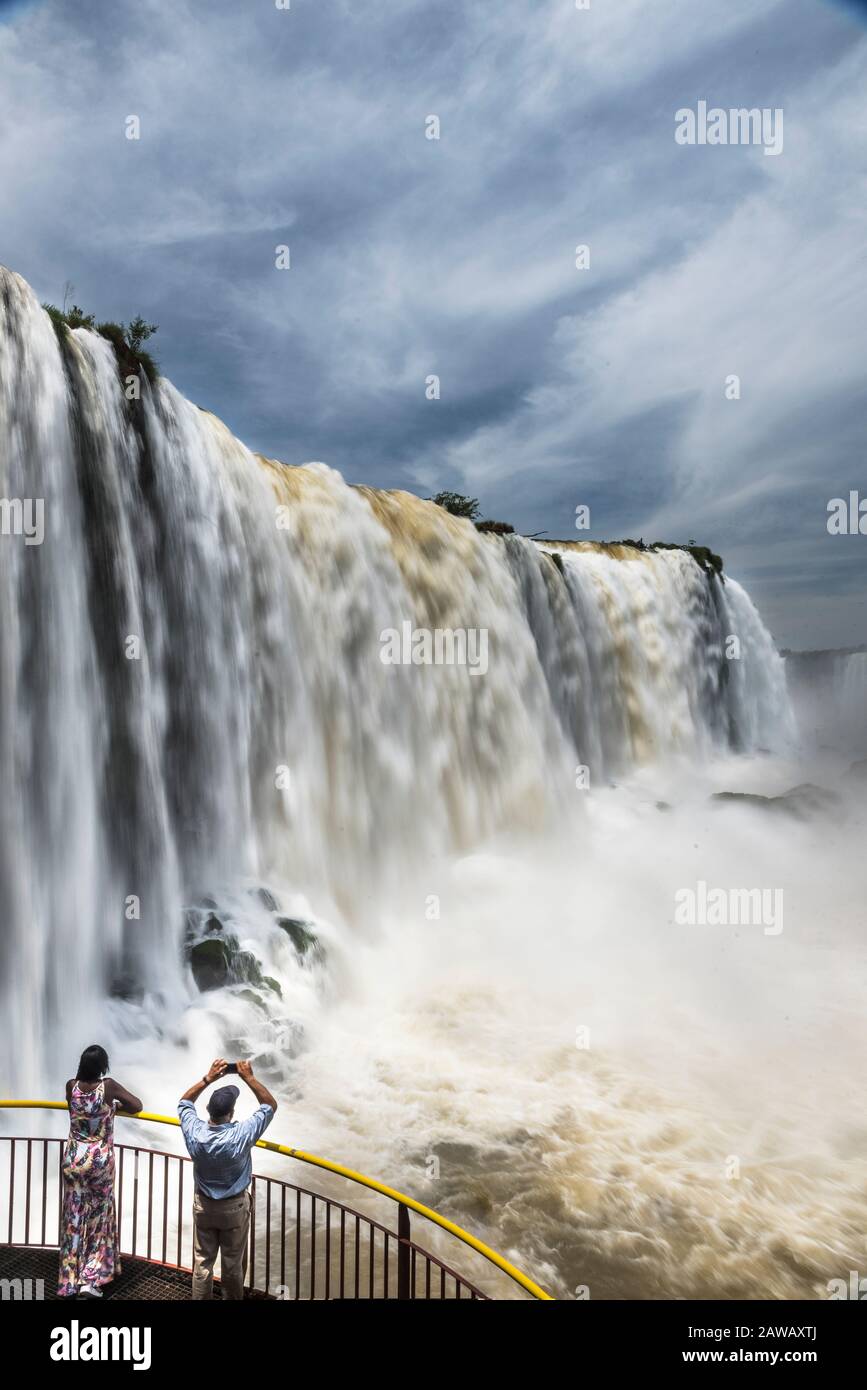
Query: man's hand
[[214, 1072], [262, 1094]]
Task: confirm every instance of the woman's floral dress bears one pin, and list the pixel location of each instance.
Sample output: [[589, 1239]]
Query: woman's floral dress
[[88, 1243]]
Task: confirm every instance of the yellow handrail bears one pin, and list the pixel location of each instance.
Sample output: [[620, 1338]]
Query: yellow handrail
[[491, 1255]]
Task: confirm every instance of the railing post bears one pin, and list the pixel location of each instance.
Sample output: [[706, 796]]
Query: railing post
[[251, 1282], [403, 1252]]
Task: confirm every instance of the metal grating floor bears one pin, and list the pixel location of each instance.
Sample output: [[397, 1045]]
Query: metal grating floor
[[138, 1279]]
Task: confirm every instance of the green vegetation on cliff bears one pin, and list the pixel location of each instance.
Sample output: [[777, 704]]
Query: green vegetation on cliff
[[704, 557], [468, 507], [126, 339]]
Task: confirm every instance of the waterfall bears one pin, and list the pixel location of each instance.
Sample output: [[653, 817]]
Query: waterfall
[[193, 700], [828, 691]]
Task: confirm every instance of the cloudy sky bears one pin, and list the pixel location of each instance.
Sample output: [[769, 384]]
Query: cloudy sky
[[410, 257]]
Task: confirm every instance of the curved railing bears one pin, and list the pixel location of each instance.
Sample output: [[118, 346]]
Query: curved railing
[[316, 1238]]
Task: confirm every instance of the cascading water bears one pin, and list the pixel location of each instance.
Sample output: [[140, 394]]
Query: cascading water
[[828, 690], [177, 640], [204, 758]]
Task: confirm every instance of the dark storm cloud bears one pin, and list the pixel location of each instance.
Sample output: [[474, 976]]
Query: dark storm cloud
[[456, 257]]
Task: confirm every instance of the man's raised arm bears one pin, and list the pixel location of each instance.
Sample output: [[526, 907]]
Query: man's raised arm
[[262, 1094], [214, 1072]]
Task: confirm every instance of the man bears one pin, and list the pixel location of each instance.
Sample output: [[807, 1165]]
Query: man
[[223, 1170]]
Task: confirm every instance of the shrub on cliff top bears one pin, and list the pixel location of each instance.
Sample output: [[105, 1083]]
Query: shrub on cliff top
[[126, 341], [457, 504]]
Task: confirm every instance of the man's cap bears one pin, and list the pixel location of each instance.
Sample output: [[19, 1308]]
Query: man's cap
[[222, 1102]]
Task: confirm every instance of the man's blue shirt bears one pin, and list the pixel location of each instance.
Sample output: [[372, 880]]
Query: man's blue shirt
[[221, 1153]]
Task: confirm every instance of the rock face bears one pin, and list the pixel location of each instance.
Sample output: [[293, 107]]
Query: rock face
[[303, 938], [270, 1037], [556, 560], [801, 802], [218, 961], [209, 961]]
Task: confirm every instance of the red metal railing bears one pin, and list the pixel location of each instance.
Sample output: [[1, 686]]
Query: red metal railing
[[303, 1244]]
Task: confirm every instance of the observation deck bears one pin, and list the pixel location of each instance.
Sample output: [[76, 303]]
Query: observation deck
[[306, 1242]]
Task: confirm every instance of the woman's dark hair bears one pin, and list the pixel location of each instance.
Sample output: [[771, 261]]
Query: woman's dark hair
[[93, 1064]]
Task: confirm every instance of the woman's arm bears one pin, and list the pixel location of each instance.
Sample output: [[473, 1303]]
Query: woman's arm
[[68, 1094], [126, 1101]]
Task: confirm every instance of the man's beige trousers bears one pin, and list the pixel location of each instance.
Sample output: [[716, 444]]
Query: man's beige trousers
[[220, 1228]]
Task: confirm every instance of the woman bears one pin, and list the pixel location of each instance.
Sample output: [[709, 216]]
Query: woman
[[89, 1256]]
